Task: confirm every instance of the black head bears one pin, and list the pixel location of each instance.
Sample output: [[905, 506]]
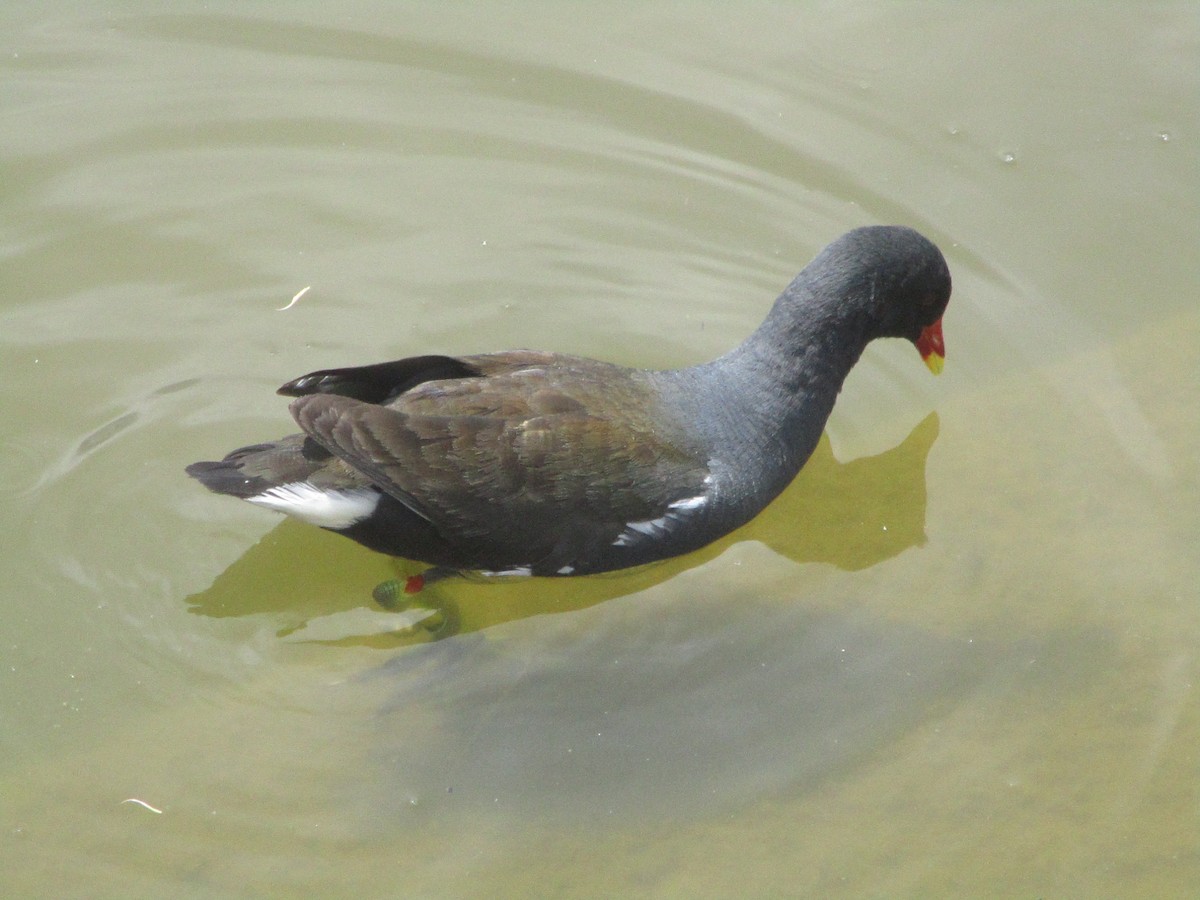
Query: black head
[[893, 275]]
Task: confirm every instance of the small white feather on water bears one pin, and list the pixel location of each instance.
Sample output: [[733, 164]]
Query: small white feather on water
[[300, 293]]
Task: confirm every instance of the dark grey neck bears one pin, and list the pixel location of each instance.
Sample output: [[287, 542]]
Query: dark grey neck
[[763, 406], [807, 345]]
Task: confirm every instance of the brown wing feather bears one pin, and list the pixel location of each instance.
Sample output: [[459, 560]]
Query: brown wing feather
[[477, 457]]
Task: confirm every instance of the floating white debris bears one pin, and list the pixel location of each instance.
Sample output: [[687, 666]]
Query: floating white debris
[[299, 294]]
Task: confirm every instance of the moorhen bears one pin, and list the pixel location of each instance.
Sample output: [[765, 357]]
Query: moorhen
[[535, 463]]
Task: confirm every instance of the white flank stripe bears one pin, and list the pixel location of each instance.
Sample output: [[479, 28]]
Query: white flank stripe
[[327, 508], [514, 572], [660, 527]]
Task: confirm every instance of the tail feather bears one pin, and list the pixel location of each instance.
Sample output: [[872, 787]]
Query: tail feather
[[226, 477], [249, 471]]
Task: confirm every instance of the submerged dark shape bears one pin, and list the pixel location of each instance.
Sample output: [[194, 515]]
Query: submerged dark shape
[[529, 462]]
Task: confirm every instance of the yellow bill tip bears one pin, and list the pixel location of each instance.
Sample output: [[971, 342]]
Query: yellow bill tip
[[932, 347]]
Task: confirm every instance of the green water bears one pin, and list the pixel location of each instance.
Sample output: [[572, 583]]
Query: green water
[[957, 658]]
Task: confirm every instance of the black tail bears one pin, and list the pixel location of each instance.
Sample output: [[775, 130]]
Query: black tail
[[248, 471], [226, 477]]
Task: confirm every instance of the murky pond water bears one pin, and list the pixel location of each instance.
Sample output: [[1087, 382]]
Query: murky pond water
[[957, 657]]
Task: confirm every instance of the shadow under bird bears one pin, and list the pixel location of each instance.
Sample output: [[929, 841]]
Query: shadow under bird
[[536, 463]]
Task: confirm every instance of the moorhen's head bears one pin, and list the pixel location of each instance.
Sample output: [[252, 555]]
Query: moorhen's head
[[895, 281]]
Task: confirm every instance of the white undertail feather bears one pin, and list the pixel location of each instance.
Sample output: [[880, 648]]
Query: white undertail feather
[[327, 508]]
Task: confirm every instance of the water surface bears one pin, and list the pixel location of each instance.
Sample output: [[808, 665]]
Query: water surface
[[957, 657]]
